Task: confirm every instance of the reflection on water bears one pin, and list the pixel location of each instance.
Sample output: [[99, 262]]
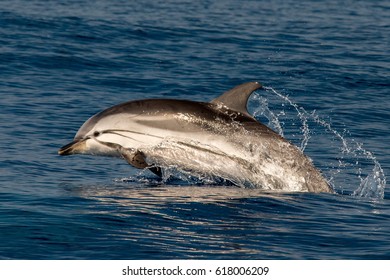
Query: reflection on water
[[139, 195], [182, 219], [185, 221]]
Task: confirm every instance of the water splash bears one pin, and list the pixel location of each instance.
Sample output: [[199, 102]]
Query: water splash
[[174, 176], [264, 110], [301, 113], [344, 161]]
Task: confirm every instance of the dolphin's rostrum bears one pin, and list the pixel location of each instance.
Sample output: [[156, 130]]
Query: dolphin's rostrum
[[215, 139]]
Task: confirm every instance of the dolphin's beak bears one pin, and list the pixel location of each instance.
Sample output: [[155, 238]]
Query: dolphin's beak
[[74, 147]]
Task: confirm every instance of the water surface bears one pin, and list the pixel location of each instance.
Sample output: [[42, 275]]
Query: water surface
[[326, 66]]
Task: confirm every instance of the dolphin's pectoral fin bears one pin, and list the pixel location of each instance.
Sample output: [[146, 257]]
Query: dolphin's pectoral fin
[[156, 170], [134, 158], [237, 97]]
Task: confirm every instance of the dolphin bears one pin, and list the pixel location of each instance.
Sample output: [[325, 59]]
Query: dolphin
[[217, 139]]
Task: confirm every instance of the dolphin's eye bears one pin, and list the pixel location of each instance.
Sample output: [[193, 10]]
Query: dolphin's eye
[[96, 134]]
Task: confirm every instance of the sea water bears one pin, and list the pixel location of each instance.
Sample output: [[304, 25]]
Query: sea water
[[325, 67]]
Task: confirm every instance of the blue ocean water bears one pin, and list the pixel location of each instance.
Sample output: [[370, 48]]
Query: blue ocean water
[[326, 67]]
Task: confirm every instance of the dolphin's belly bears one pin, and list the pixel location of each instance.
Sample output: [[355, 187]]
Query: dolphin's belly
[[277, 167], [201, 159]]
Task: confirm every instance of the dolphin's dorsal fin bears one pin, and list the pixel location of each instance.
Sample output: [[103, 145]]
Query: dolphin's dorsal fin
[[237, 98]]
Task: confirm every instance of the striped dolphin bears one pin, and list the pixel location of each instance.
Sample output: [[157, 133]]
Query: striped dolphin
[[206, 139]]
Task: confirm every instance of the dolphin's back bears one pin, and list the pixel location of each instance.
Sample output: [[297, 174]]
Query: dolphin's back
[[172, 109]]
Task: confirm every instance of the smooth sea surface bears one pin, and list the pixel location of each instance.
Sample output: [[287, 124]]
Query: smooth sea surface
[[326, 69]]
